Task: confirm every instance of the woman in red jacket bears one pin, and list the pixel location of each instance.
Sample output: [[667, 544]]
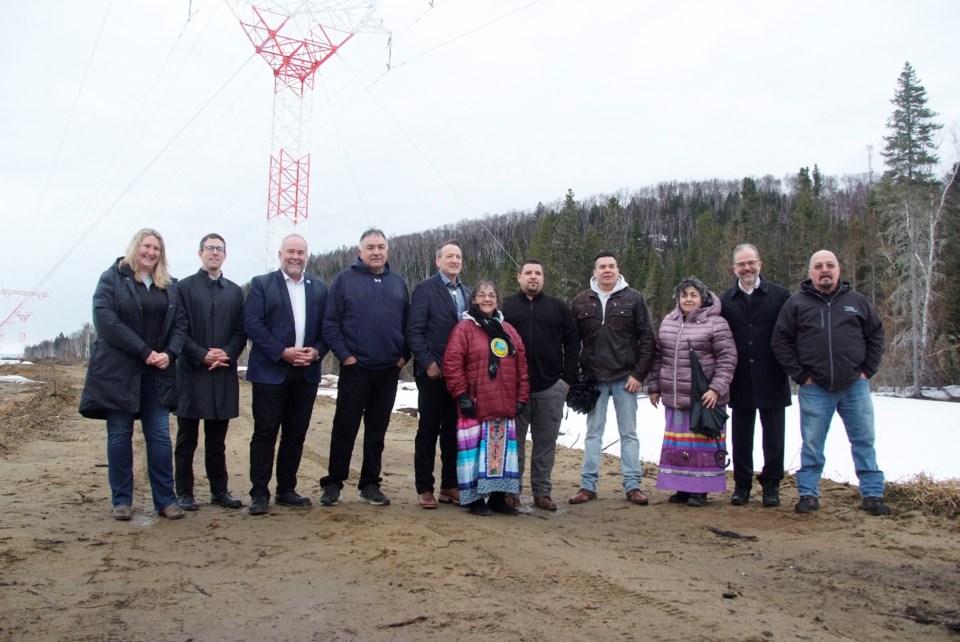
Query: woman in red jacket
[[485, 368], [688, 462]]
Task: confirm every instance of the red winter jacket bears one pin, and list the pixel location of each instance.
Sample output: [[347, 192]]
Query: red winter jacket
[[713, 342], [465, 364]]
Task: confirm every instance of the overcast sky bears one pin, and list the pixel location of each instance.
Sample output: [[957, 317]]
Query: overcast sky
[[488, 107]]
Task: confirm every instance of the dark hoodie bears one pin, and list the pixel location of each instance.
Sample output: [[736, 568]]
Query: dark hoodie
[[366, 315]]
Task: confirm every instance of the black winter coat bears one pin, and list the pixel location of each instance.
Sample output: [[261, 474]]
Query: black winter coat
[[113, 374], [214, 311], [832, 340], [759, 381]]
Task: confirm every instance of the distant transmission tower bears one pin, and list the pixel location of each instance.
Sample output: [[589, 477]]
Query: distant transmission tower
[[18, 310], [295, 38], [869, 164]]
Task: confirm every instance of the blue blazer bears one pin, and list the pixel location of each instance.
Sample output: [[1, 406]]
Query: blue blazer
[[433, 315], [268, 322]]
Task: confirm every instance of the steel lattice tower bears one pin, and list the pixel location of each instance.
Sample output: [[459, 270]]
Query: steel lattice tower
[[295, 38]]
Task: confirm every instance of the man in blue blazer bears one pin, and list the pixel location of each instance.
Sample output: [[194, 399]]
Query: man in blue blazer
[[282, 316], [435, 308]]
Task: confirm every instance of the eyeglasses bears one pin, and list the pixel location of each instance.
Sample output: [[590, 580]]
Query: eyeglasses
[[487, 296], [215, 248], [743, 264]]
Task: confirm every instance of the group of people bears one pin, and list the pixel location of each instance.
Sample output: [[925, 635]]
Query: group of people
[[488, 371]]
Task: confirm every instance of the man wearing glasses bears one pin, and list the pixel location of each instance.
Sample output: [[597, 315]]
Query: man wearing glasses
[[207, 381], [751, 307]]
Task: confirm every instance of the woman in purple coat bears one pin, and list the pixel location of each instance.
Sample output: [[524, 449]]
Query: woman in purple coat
[[688, 461]]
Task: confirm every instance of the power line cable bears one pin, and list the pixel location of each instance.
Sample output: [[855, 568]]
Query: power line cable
[[73, 111], [136, 179]]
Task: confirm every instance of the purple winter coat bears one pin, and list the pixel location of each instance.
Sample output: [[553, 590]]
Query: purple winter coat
[[713, 342]]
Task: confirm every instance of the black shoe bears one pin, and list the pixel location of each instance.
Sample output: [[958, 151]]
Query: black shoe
[[740, 497], [771, 493], [187, 502], [807, 504], [374, 495], [875, 506], [291, 499], [331, 495], [259, 506], [679, 497], [226, 500], [697, 500], [480, 509], [498, 504]]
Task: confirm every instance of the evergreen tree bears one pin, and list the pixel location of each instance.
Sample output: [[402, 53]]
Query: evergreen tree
[[909, 148], [909, 195]]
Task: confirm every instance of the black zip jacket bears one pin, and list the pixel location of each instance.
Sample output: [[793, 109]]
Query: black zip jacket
[[550, 336], [831, 338]]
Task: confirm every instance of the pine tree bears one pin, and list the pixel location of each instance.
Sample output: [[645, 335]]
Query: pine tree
[[909, 148], [910, 197]]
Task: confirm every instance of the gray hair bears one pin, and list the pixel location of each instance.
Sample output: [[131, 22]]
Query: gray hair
[[745, 246], [696, 284]]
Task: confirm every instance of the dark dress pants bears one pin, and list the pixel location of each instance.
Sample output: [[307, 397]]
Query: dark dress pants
[[214, 457], [366, 395], [742, 430], [438, 419], [279, 409]]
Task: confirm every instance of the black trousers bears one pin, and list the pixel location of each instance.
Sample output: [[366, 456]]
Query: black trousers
[[215, 458], [438, 420], [366, 395], [279, 409], [742, 429]]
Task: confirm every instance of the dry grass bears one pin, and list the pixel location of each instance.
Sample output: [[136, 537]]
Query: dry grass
[[922, 492]]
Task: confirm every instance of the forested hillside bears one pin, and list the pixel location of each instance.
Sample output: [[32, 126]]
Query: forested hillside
[[894, 234]]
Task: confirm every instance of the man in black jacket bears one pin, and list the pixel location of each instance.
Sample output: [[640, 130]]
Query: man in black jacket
[[207, 379], [751, 307], [552, 343], [829, 340]]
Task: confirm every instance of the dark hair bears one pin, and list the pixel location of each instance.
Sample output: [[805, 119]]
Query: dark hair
[[212, 235], [696, 284], [531, 262], [603, 254], [440, 247]]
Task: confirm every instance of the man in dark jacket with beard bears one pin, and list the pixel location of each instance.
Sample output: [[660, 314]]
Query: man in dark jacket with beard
[[751, 307], [829, 340], [364, 323], [207, 379], [552, 344]]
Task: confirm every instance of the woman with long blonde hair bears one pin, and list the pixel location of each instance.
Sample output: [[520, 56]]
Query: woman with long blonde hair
[[140, 330]]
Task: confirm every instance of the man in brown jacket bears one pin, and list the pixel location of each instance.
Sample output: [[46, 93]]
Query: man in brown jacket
[[616, 352]]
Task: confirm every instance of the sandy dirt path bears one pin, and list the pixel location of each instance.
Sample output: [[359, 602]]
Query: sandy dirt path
[[605, 570]]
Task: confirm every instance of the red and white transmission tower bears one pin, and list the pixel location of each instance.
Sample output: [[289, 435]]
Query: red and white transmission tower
[[295, 37], [18, 310]]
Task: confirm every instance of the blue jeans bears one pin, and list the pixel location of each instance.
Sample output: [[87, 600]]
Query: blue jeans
[[855, 408], [625, 405], [155, 422]]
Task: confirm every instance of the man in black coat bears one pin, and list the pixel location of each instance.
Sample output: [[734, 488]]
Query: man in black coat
[[435, 308], [552, 343], [207, 373], [751, 307]]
